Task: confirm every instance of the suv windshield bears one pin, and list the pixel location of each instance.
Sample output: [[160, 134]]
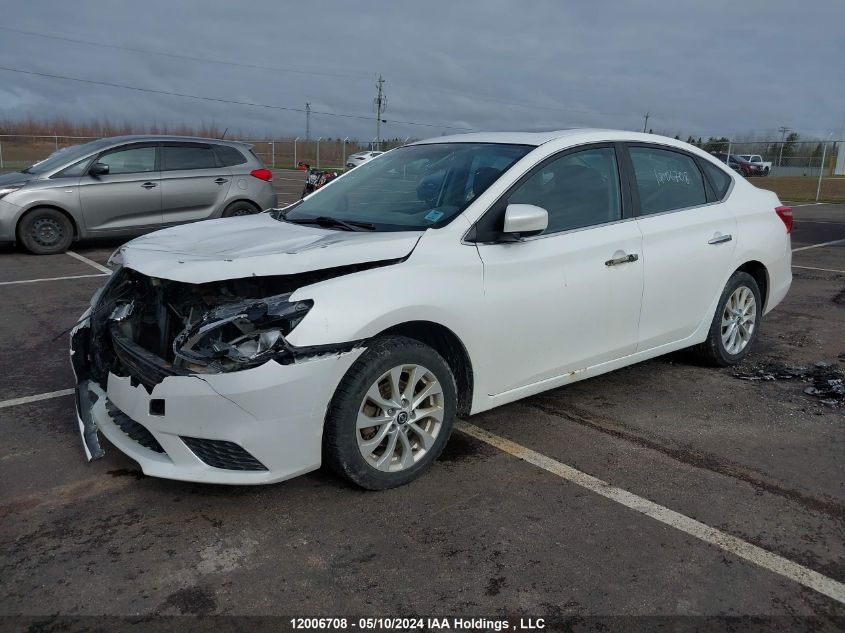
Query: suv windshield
[[411, 188], [66, 156]]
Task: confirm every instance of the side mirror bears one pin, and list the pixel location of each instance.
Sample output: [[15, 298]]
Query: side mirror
[[525, 220], [99, 169]]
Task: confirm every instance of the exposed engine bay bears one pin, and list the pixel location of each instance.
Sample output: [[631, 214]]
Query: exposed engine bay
[[149, 328]]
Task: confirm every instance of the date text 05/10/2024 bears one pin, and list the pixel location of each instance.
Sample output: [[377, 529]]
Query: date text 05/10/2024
[[405, 624]]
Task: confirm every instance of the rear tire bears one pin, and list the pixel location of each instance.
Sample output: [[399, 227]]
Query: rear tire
[[45, 231], [408, 393], [735, 323], [240, 207]]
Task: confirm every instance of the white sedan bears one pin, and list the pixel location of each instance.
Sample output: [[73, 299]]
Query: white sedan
[[360, 158], [448, 277]]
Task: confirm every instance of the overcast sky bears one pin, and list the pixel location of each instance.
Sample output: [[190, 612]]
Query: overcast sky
[[702, 67]]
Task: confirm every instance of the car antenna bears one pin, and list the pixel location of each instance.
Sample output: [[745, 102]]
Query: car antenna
[[222, 136]]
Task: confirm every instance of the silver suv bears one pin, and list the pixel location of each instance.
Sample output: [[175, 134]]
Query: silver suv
[[128, 185]]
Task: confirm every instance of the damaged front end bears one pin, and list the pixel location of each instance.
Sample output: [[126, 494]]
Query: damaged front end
[[145, 329]]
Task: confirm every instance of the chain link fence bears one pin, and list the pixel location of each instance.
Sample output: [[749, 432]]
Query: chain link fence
[[795, 170], [18, 151]]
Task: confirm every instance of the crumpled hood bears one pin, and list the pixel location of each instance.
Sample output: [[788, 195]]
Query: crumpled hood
[[255, 245]]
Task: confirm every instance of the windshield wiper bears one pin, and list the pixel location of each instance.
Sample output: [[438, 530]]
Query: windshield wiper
[[324, 220]]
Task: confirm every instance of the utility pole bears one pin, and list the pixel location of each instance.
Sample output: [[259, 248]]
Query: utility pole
[[308, 121], [645, 125], [783, 130], [381, 103]]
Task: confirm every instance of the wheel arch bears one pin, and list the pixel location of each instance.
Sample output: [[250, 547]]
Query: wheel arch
[[449, 346], [34, 207], [760, 273], [229, 203]]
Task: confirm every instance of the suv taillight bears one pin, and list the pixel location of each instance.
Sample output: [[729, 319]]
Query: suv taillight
[[785, 214], [262, 174]]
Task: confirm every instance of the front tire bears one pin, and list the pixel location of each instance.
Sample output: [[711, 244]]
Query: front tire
[[391, 415], [45, 231], [735, 324]]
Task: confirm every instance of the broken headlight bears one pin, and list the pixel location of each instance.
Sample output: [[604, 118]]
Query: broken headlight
[[241, 334]]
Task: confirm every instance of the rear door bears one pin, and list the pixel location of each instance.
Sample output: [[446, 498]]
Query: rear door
[[689, 238], [194, 183], [129, 196]]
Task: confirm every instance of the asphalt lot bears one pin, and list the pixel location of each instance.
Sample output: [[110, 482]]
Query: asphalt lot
[[484, 533]]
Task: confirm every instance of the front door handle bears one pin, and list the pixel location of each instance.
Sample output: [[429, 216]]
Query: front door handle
[[721, 239], [149, 185], [220, 181], [622, 260]]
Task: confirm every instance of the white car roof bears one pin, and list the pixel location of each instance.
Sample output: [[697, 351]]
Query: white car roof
[[585, 135]]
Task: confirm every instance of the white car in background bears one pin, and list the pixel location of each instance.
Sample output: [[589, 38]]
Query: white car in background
[[360, 158], [448, 277]]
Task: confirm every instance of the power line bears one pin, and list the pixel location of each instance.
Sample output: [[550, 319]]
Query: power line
[[230, 101], [349, 73], [193, 58]]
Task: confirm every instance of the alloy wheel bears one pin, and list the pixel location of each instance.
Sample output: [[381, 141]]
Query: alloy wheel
[[400, 418], [739, 319]]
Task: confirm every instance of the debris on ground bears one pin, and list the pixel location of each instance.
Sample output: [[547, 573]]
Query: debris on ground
[[828, 380]]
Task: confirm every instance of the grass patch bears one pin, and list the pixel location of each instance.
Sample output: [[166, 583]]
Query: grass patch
[[803, 188]]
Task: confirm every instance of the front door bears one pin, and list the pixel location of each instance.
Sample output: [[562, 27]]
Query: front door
[[568, 298], [126, 198]]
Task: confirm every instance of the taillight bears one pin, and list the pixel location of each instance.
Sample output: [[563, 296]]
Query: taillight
[[262, 174], [785, 214]]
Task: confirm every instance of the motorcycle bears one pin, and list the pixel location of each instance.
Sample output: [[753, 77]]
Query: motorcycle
[[317, 179]]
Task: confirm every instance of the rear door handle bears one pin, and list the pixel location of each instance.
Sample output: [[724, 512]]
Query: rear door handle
[[149, 185], [220, 181], [622, 260], [721, 239]]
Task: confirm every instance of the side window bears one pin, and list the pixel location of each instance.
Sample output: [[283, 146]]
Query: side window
[[75, 170], [130, 161], [720, 180], [187, 157], [666, 180], [229, 156], [578, 190]]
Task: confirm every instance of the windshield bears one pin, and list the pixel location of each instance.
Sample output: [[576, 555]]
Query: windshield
[[411, 188], [65, 156]]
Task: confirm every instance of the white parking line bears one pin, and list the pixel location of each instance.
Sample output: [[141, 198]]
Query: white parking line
[[753, 554], [41, 396], [90, 262], [32, 281], [826, 270], [804, 248]]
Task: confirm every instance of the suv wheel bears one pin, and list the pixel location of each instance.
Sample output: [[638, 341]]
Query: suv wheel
[[241, 207], [735, 324], [391, 415], [45, 231]]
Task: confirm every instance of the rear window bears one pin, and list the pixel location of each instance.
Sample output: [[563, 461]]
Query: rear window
[[229, 156], [187, 157], [720, 181]]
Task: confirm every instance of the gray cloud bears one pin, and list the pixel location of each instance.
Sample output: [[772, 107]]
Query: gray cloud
[[700, 68]]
